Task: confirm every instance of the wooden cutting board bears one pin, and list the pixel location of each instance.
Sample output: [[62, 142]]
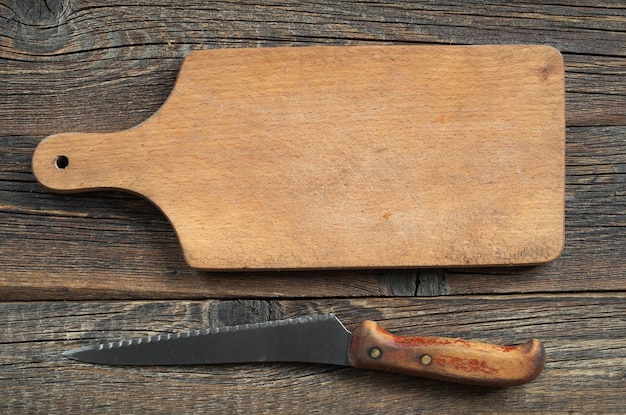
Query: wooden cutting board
[[331, 157]]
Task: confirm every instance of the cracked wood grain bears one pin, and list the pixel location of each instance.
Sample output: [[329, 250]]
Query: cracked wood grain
[[149, 264], [77, 65], [102, 66], [582, 364]]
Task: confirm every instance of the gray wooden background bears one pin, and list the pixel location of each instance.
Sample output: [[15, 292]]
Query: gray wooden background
[[75, 269]]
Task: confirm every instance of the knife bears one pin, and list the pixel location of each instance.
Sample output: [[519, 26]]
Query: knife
[[324, 339]]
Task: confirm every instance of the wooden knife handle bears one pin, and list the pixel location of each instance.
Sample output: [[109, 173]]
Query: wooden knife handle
[[447, 359]]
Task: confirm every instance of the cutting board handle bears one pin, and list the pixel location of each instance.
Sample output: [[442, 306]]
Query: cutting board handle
[[78, 162]]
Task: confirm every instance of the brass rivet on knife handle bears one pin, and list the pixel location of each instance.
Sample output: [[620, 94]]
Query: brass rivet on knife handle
[[446, 359], [426, 359]]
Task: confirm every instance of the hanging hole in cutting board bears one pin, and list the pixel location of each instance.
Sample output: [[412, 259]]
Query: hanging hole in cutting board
[[61, 162]]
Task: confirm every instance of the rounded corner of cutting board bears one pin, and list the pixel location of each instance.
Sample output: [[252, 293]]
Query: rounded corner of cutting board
[[556, 250], [552, 53]]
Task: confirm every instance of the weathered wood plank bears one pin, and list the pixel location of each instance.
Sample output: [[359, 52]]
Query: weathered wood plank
[[595, 90], [91, 66], [112, 245], [582, 334], [98, 66]]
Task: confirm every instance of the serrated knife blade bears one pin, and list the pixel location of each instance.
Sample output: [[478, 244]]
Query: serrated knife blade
[[320, 339], [324, 339]]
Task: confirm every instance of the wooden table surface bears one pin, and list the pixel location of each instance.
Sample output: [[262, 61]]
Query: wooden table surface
[[76, 269]]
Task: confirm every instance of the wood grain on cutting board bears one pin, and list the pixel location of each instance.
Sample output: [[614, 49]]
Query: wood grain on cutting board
[[330, 157]]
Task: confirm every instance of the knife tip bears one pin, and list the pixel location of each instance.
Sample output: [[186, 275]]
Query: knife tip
[[73, 354]]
